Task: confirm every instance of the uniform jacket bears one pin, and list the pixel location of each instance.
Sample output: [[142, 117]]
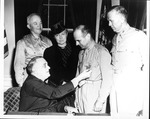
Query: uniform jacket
[[27, 48], [129, 60], [99, 84]]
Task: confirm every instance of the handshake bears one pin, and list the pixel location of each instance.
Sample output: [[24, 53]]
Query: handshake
[[81, 77]]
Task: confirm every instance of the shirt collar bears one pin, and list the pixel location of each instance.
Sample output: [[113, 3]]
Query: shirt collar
[[125, 29], [34, 38]]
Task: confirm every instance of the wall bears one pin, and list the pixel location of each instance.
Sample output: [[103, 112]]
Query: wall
[[10, 32]]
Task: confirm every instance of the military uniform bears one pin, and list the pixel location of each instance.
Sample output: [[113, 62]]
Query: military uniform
[[26, 49], [98, 59], [128, 59]]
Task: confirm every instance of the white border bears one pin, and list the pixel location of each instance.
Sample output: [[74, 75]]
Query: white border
[[1, 54], [49, 116]]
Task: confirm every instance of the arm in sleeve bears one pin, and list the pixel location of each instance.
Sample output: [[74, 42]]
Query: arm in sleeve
[[144, 50], [43, 90], [143, 45], [106, 70], [19, 62], [48, 42]]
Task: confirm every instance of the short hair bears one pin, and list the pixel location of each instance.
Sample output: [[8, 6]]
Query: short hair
[[30, 16], [31, 64], [84, 30], [119, 9]]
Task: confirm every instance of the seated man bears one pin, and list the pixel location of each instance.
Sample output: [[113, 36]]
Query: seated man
[[37, 96]]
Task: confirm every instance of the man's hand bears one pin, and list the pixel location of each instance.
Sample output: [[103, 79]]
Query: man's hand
[[81, 83], [64, 82], [140, 113], [85, 74], [98, 106], [70, 109]]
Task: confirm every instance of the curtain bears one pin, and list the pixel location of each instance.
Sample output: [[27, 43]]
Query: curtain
[[105, 32], [136, 11], [136, 18], [83, 12]]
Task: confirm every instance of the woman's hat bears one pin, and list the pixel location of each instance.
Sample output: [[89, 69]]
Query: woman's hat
[[58, 28]]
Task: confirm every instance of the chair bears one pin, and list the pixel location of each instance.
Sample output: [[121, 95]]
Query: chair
[[11, 99]]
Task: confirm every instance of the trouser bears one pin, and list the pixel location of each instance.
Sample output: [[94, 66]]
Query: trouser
[[58, 105], [127, 93], [68, 100]]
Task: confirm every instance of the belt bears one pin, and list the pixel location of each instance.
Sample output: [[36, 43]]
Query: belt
[[93, 81]]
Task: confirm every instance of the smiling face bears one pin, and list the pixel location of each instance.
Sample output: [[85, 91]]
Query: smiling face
[[115, 20], [35, 24], [61, 38]]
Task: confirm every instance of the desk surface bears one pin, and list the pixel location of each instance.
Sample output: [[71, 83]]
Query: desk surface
[[52, 113]]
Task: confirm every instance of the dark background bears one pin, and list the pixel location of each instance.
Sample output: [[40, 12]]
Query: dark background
[[77, 12]]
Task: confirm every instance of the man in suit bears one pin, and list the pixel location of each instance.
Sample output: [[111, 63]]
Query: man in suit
[[37, 96]]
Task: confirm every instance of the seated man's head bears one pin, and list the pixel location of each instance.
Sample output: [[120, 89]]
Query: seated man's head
[[38, 67], [60, 34], [34, 23]]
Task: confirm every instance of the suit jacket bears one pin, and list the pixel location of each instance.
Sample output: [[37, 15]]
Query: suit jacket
[[36, 95]]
